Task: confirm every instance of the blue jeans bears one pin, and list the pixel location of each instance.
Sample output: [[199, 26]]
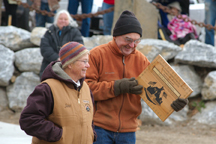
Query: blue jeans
[[42, 19], [210, 17], [107, 19], [86, 8], [109, 137]]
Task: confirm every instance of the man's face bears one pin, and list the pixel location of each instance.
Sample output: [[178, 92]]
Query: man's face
[[127, 43]]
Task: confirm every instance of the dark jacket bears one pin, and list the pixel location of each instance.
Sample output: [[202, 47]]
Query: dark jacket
[[51, 43], [40, 105]]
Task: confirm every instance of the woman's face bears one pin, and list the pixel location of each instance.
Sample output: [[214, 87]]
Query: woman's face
[[79, 67], [62, 21]]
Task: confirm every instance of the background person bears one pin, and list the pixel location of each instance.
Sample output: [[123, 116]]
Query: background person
[[62, 31], [10, 9], [210, 18], [107, 17], [181, 31], [60, 109], [111, 78], [184, 4], [47, 5], [86, 8]]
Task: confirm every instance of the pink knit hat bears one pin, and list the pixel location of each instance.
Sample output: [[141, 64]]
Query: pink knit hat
[[70, 52]]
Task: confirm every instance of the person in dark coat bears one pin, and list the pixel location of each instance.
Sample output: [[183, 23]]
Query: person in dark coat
[[63, 30]]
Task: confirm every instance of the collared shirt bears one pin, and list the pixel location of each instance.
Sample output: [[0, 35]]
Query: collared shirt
[[60, 32], [77, 83]]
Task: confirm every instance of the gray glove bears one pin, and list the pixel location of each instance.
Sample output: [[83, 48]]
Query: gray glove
[[126, 85], [179, 104]]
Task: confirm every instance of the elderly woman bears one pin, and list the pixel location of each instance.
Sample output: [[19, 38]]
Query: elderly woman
[[62, 31], [60, 109]]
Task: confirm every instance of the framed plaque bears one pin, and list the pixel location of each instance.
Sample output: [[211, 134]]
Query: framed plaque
[[161, 86]]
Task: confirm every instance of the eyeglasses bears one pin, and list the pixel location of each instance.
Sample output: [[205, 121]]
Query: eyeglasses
[[84, 61], [129, 40]]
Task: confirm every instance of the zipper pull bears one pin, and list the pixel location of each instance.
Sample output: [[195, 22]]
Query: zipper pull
[[123, 60], [78, 101]]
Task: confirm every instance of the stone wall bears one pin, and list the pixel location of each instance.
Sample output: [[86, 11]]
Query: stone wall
[[20, 62]]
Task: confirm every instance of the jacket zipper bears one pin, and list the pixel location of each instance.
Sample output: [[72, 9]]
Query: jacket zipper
[[123, 62], [78, 97], [55, 39], [80, 107]]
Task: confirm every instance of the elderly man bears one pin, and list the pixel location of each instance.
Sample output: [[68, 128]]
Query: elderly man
[[60, 109], [111, 79]]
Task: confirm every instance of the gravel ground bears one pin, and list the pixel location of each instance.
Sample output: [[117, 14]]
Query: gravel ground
[[182, 133]]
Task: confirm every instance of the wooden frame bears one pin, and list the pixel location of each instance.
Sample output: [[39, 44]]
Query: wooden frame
[[161, 86]]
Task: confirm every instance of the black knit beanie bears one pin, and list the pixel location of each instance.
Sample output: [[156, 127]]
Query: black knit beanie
[[127, 23]]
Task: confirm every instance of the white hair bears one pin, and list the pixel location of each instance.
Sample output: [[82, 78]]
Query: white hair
[[72, 22]]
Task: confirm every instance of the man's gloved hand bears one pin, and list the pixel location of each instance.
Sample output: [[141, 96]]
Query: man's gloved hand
[[126, 85], [179, 104]]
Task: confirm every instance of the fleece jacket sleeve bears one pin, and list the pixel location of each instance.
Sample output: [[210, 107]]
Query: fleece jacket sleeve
[[101, 90]]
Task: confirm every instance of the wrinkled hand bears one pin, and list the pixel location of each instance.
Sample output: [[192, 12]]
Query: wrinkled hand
[[126, 85], [179, 104]]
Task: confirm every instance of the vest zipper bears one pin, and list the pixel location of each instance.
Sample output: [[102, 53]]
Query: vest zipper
[[78, 98]]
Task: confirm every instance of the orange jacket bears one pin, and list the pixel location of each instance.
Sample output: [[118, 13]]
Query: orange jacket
[[107, 64]]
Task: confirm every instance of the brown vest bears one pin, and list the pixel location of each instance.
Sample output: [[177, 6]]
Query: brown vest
[[73, 112]]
